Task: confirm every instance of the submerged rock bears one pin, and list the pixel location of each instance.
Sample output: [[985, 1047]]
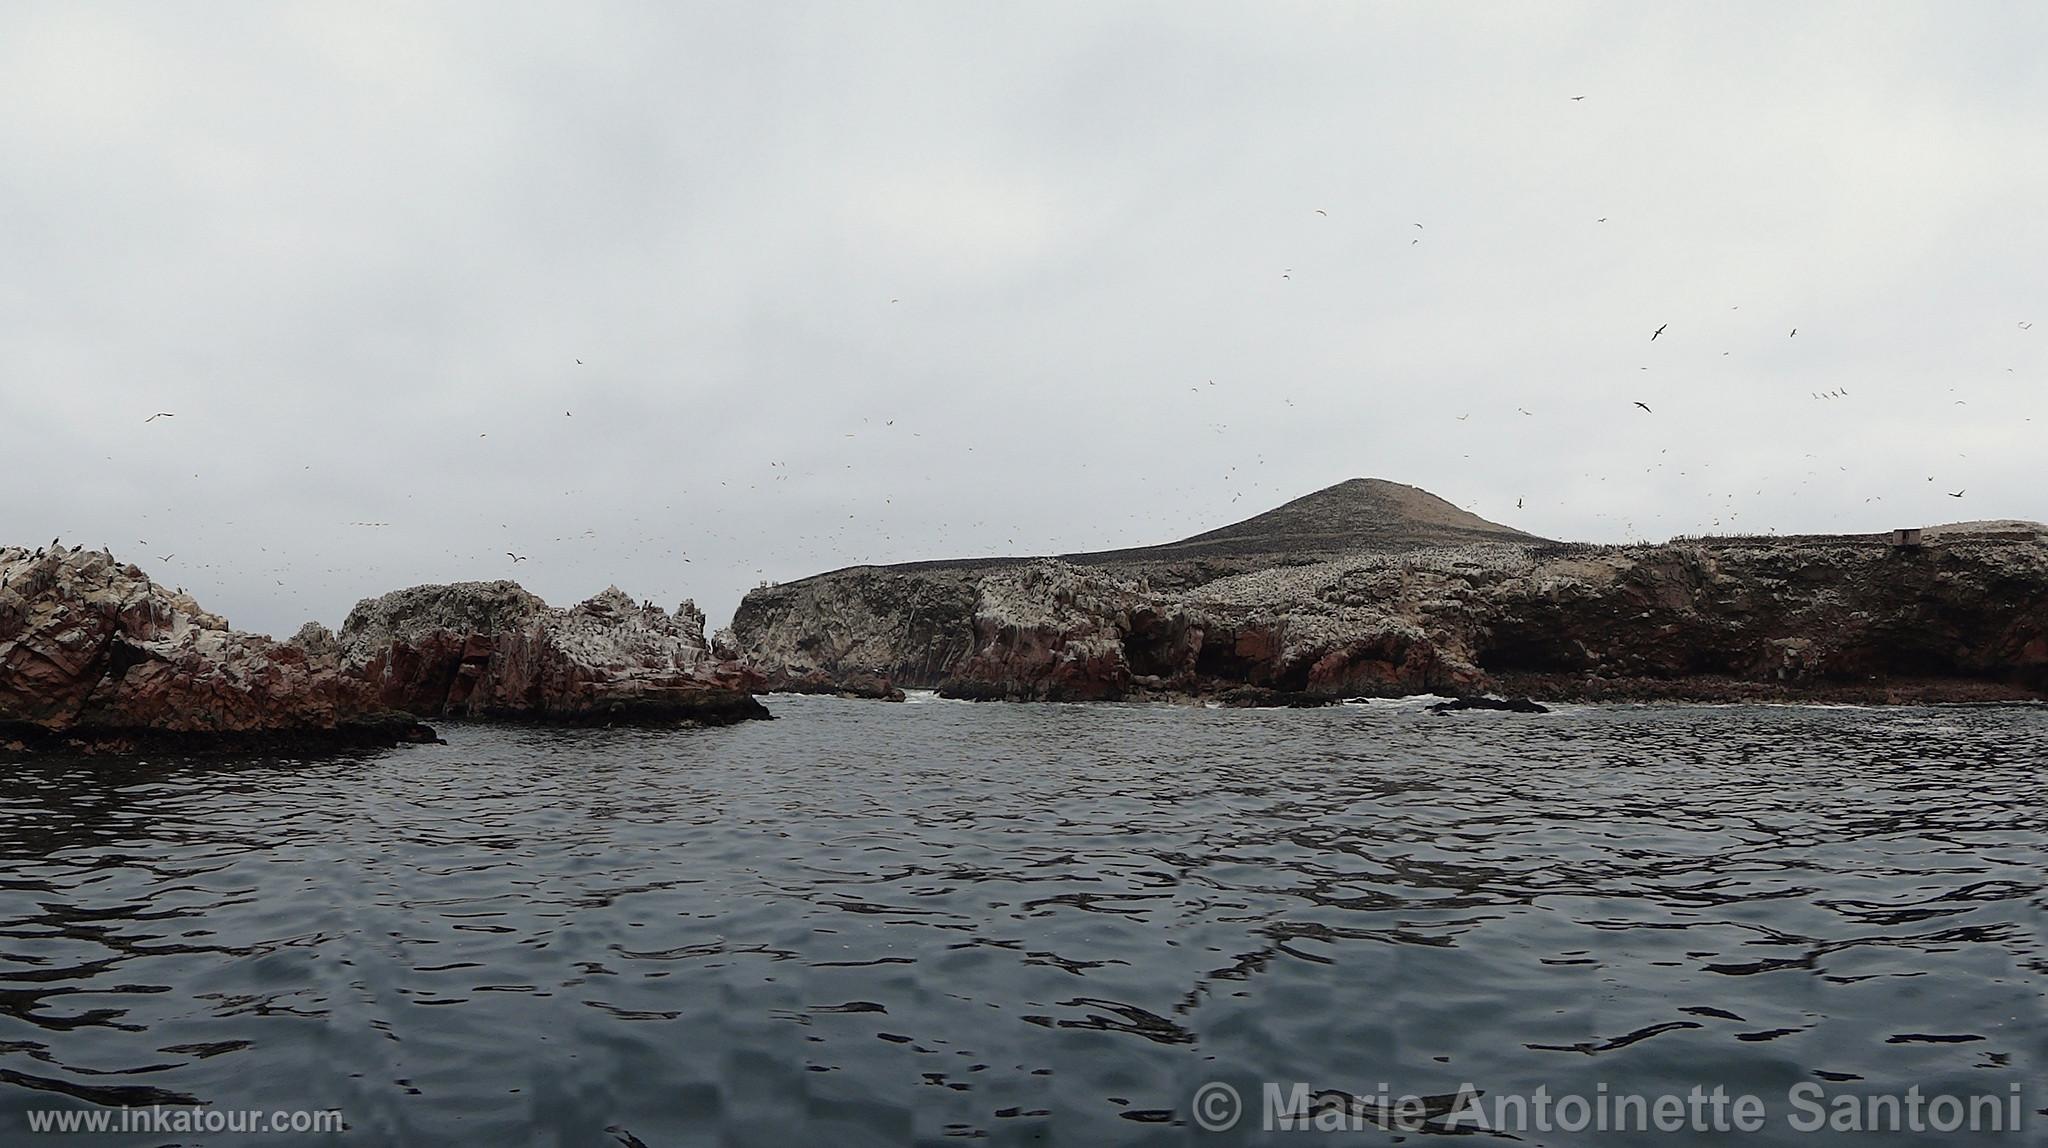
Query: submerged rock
[[1506, 705], [874, 687], [492, 650], [95, 656]]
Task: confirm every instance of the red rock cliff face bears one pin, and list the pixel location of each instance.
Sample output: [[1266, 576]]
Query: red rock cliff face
[[492, 650], [96, 656]]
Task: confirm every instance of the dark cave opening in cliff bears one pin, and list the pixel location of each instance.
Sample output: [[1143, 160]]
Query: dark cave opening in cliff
[[1219, 660], [1529, 653], [1293, 677], [1900, 656], [1152, 646]]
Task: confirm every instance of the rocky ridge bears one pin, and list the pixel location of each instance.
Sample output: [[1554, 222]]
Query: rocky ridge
[[95, 656], [493, 650], [1963, 616]]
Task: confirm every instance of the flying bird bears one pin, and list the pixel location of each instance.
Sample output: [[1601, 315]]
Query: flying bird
[[2026, 326], [160, 415], [1956, 493], [165, 557], [1321, 212], [1795, 331], [1578, 97], [1646, 407], [515, 557], [1657, 332]]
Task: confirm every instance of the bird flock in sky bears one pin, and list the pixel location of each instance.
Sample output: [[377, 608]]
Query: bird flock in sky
[[858, 539]]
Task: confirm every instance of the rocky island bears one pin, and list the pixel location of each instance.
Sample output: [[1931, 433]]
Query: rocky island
[[1367, 588], [95, 656], [1374, 588], [492, 650]]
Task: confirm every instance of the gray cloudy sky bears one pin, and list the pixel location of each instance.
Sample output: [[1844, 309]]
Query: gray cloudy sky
[[879, 282]]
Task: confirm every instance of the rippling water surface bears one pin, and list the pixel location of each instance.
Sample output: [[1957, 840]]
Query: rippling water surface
[[875, 924]]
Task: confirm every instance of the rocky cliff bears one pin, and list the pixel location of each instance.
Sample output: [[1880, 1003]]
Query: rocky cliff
[[492, 650], [916, 624], [1963, 616], [95, 656]]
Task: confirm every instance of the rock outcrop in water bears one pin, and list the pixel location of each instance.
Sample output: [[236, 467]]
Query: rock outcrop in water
[[1058, 632], [1439, 606], [95, 656], [492, 650], [1045, 628]]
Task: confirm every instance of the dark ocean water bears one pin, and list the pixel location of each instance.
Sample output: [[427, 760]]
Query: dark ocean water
[[875, 924]]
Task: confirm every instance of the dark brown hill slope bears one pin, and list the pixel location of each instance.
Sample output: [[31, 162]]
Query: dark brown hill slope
[[1359, 514]]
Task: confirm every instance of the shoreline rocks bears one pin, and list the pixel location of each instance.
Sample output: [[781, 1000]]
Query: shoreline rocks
[[1483, 702], [1274, 611], [873, 687], [97, 658], [1851, 618], [492, 650]]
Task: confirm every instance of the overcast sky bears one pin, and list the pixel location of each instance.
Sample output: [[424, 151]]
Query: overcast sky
[[877, 282]]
